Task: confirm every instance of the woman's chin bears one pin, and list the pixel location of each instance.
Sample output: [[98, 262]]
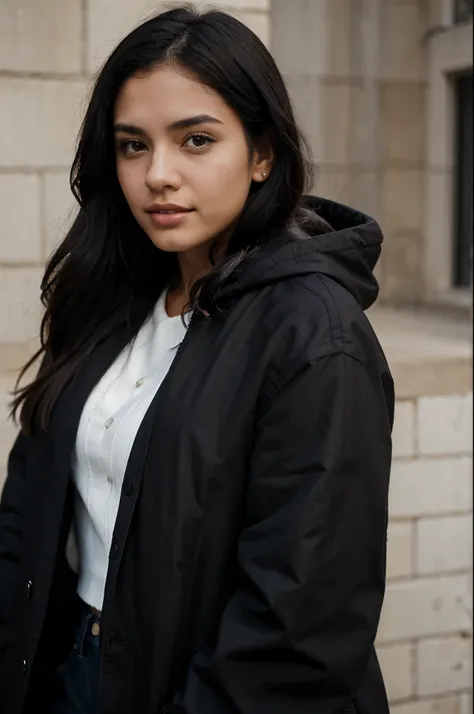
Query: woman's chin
[[173, 240]]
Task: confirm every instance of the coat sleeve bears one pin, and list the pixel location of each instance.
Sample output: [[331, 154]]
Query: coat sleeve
[[11, 527], [299, 634]]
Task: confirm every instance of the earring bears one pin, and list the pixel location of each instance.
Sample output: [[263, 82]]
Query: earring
[[264, 175]]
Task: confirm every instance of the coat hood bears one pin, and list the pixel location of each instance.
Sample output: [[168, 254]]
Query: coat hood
[[347, 253]]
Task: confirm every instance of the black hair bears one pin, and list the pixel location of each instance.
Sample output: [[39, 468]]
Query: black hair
[[107, 273]]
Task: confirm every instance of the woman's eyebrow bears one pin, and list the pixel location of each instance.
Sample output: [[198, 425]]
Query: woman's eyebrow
[[193, 121], [128, 129], [179, 124]]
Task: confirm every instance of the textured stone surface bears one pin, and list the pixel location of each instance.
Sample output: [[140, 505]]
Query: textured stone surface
[[431, 486], [404, 435], [444, 544], [20, 211], [43, 36], [444, 665], [445, 425], [396, 664], [400, 550], [427, 607], [40, 118], [20, 314]]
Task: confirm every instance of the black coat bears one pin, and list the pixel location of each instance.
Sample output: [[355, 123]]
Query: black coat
[[247, 568]]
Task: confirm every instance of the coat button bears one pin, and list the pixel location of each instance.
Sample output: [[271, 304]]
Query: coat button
[[25, 667], [128, 488], [29, 589], [114, 549]]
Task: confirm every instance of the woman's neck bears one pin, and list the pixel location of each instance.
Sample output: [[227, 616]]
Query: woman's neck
[[193, 265]]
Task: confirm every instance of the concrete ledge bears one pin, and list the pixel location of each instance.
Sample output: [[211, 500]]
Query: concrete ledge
[[428, 353]]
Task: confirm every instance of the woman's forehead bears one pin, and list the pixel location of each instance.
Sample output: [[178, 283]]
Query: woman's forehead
[[166, 95]]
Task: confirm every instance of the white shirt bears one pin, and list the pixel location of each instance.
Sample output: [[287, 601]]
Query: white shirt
[[108, 426]]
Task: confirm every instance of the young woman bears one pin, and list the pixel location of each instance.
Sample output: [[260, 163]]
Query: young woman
[[211, 421]]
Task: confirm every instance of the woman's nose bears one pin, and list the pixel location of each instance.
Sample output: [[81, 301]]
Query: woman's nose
[[162, 172]]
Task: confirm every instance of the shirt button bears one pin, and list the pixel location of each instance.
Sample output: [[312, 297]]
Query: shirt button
[[29, 589], [128, 488], [110, 479], [109, 422], [139, 382]]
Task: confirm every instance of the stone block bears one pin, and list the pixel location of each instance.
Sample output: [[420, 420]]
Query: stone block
[[402, 204], [445, 425], [396, 664], [341, 18], [59, 208], [323, 111], [108, 23], [40, 118], [402, 52], [316, 38], [403, 122], [466, 703], [20, 311], [365, 192], [444, 665], [426, 487], [305, 93], [441, 705], [333, 184], [336, 104], [437, 268], [403, 438], [400, 284], [299, 37], [41, 36], [20, 238], [438, 13], [426, 607], [444, 544], [400, 550]]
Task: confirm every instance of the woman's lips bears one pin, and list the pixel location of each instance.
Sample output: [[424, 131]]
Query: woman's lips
[[168, 219]]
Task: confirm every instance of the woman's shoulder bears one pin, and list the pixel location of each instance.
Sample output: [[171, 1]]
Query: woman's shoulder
[[311, 317]]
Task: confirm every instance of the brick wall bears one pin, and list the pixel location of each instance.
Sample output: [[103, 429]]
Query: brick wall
[[424, 639]]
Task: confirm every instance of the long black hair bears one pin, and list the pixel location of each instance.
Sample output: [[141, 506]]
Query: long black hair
[[107, 273]]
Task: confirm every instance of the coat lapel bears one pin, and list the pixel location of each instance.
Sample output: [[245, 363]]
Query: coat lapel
[[68, 409]]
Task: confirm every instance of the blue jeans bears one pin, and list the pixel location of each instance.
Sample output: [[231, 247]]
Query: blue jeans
[[78, 676]]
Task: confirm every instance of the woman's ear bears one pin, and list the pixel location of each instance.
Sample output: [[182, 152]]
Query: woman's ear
[[263, 158]]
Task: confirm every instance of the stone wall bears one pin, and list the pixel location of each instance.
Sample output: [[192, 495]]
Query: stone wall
[[425, 644], [371, 82]]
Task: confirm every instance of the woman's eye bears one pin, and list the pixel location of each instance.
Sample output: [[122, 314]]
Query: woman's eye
[[130, 147], [198, 141]]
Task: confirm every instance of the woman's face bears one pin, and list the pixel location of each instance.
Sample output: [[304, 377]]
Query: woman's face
[[182, 159]]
